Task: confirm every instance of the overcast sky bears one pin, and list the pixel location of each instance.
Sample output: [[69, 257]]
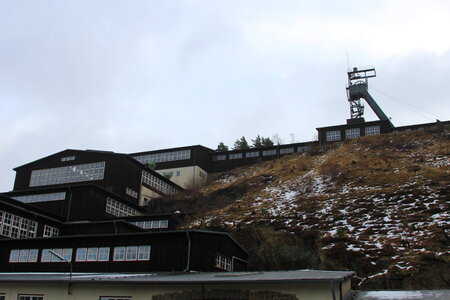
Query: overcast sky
[[132, 76]]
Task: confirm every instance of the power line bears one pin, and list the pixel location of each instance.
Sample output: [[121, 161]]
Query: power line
[[413, 107]]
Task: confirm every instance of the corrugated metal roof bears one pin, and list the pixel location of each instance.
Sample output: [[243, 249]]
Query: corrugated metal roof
[[193, 277]]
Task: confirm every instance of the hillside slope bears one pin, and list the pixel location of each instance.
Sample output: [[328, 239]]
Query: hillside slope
[[378, 205]]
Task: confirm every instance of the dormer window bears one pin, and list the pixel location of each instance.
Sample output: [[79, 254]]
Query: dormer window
[[68, 158]]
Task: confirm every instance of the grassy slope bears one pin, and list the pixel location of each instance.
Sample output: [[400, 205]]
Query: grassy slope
[[378, 205]]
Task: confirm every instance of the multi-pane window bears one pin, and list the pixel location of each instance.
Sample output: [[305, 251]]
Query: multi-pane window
[[132, 253], [153, 224], [53, 255], [224, 262], [163, 157], [68, 174], [269, 152], [144, 253], [92, 254], [286, 150], [68, 158], [372, 130], [103, 254], [131, 192], [2, 296], [41, 197], [50, 231], [302, 148], [220, 157], [30, 297], [118, 209], [81, 254], [16, 227], [235, 155], [252, 154], [158, 184], [333, 135], [352, 133]]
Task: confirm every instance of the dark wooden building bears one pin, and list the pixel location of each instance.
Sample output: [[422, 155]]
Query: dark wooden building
[[168, 251], [117, 173]]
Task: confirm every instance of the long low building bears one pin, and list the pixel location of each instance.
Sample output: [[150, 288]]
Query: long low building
[[279, 285]]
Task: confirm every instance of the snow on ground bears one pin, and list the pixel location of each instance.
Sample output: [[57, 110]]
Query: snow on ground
[[403, 295]]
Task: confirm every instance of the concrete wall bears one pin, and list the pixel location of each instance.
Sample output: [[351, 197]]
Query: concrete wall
[[84, 291]]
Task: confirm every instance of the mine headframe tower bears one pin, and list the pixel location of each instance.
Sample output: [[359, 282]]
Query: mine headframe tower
[[358, 89]]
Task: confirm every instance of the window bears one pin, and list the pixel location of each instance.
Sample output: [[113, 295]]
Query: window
[[220, 157], [41, 197], [118, 209], [2, 296], [286, 150], [154, 224], [68, 174], [16, 227], [158, 184], [252, 154], [14, 256], [103, 254], [33, 255], [144, 253], [92, 254], [119, 253], [178, 173], [48, 256], [23, 255], [81, 254], [352, 133], [30, 297], [50, 231], [372, 130], [223, 262], [131, 192], [235, 155], [114, 298], [68, 158], [163, 157], [302, 148], [132, 253], [269, 152], [333, 135]]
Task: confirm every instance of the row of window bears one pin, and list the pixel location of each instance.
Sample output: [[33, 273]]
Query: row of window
[[224, 262], [131, 192], [158, 184], [269, 152], [153, 224], [68, 158], [118, 209], [163, 157], [68, 174], [351, 133], [16, 227], [90, 254], [41, 197]]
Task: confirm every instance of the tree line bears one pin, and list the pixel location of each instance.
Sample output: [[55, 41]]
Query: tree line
[[242, 144]]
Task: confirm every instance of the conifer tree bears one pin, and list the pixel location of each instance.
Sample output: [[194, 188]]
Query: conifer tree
[[257, 142], [241, 144], [222, 147], [266, 142]]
